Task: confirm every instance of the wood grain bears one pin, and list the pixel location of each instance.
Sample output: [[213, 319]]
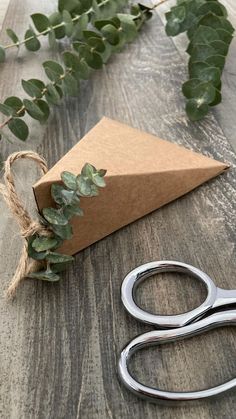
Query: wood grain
[[60, 342]]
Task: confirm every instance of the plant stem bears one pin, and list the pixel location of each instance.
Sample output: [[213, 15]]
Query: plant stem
[[52, 28], [45, 90]]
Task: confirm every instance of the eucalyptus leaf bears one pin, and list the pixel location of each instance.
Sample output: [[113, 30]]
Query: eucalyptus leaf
[[32, 252], [41, 22], [99, 181], [2, 54], [54, 257], [69, 25], [70, 180], [42, 104], [70, 85], [12, 35], [33, 109], [195, 110], [40, 244], [73, 210], [31, 41], [44, 276], [31, 88], [56, 21], [52, 95], [15, 104], [54, 216], [64, 232], [19, 128]]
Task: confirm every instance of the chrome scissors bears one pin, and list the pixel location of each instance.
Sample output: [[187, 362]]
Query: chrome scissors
[[217, 310]]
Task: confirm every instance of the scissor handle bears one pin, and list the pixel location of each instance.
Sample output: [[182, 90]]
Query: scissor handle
[[158, 337], [133, 279]]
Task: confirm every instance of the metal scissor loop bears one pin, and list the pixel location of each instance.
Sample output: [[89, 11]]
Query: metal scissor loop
[[215, 311]]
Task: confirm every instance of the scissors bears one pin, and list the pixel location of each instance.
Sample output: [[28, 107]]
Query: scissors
[[217, 310]]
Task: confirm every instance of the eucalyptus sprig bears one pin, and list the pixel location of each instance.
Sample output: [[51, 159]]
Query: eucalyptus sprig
[[69, 21], [90, 53], [210, 34], [67, 199]]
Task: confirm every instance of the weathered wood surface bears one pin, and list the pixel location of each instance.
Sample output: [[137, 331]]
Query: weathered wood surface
[[60, 343]]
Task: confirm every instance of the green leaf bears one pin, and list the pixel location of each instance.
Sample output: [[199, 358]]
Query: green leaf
[[216, 22], [44, 109], [92, 58], [189, 86], [83, 70], [6, 110], [70, 85], [174, 18], [2, 54], [220, 46], [84, 186], [32, 252], [216, 61], [31, 41], [53, 216], [127, 26], [52, 95], [64, 232], [88, 170], [56, 67], [99, 181], [12, 36], [111, 34], [71, 60], [80, 26], [97, 44], [69, 25], [54, 257], [204, 72], [41, 22], [217, 99], [100, 23], [33, 109], [195, 111], [73, 210], [70, 180], [212, 6], [15, 103], [69, 5], [44, 276], [52, 39], [201, 52], [205, 34], [18, 128], [40, 244], [56, 19], [31, 89], [204, 92], [224, 35], [63, 196]]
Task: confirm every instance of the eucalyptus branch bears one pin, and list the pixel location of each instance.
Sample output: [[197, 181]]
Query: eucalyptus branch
[[210, 34], [90, 53], [69, 20], [67, 204]]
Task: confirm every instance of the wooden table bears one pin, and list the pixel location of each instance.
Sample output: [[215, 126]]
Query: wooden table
[[60, 343]]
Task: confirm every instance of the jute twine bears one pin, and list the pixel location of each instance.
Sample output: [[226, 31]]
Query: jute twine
[[28, 226]]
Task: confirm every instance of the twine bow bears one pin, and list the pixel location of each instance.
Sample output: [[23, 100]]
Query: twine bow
[[28, 226]]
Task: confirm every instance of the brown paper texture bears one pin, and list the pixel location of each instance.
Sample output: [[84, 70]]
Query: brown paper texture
[[143, 174]]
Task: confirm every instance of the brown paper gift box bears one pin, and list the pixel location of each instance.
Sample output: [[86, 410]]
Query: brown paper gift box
[[143, 173]]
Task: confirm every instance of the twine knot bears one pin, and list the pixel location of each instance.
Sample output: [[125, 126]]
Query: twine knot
[[28, 226]]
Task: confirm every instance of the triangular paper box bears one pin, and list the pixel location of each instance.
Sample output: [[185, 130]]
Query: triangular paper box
[[143, 173]]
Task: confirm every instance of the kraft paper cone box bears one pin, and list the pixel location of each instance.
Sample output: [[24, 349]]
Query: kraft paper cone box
[[143, 174]]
